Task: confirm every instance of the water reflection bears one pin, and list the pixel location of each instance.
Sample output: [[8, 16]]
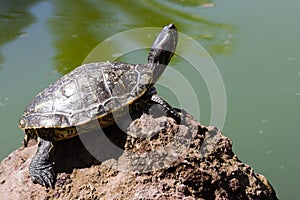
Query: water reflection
[[78, 27], [72, 27], [215, 36], [192, 2], [14, 17]]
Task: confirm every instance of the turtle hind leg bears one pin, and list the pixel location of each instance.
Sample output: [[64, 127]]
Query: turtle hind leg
[[41, 168], [170, 111]]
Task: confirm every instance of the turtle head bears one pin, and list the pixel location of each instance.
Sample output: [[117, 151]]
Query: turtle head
[[162, 50]]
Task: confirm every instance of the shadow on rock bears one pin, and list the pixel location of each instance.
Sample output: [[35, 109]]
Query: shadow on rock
[[89, 149]]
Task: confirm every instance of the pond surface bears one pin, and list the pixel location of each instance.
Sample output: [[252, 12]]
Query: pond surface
[[255, 45]]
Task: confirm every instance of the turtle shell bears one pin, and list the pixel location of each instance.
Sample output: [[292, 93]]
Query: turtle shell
[[91, 91]]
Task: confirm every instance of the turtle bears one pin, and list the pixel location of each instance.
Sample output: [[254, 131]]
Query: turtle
[[94, 91]]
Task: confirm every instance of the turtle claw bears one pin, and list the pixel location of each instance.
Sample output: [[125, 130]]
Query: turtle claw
[[170, 111], [44, 176]]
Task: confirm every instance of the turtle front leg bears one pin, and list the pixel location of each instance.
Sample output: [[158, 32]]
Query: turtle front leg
[[41, 167], [171, 112]]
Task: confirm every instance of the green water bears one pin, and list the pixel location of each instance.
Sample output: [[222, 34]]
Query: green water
[[255, 45]]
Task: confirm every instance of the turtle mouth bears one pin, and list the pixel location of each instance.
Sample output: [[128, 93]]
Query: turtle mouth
[[167, 39], [171, 27]]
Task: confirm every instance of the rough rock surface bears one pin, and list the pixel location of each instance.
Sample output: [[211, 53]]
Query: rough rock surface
[[158, 159]]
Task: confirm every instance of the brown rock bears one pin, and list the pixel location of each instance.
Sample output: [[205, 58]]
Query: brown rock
[[158, 159]]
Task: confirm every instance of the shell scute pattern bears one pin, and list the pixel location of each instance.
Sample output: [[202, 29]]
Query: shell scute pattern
[[90, 91]]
